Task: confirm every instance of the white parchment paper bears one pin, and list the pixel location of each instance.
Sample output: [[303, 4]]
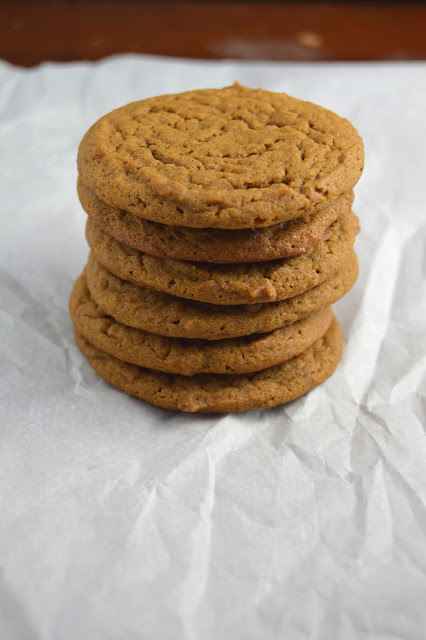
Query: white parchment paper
[[123, 521]]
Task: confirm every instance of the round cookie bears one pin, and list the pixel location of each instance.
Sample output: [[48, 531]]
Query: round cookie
[[176, 317], [208, 393], [228, 284], [189, 357], [231, 158], [221, 246]]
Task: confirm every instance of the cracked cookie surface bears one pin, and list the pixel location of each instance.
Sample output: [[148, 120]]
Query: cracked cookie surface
[[228, 284], [227, 158], [209, 393], [188, 357], [167, 315], [221, 246]]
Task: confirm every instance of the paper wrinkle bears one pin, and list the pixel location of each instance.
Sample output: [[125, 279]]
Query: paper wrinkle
[[14, 621], [120, 520], [371, 322], [413, 381], [194, 586], [418, 507], [146, 507]]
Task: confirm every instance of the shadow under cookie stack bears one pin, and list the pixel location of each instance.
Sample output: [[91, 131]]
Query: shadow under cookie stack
[[221, 232]]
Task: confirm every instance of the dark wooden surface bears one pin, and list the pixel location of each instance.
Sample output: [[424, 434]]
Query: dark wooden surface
[[32, 32]]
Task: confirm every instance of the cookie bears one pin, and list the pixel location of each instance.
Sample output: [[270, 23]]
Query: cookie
[[228, 284], [209, 393], [231, 158], [176, 317], [189, 357], [222, 246]]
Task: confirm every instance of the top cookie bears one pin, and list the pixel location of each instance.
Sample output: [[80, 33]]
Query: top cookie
[[230, 158]]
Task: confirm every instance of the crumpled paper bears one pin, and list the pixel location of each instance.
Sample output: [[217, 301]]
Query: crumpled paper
[[123, 521]]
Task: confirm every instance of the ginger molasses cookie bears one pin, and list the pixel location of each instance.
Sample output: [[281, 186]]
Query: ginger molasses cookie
[[189, 357], [231, 158], [222, 246], [209, 393], [228, 284], [166, 315]]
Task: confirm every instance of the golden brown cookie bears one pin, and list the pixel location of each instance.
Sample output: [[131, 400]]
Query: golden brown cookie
[[222, 246], [189, 357], [209, 393], [228, 284], [231, 158], [176, 317]]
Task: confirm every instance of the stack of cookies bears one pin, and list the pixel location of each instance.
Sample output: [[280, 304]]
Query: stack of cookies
[[221, 231]]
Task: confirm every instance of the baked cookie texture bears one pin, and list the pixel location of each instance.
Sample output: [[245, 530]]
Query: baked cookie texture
[[206, 393], [231, 158], [188, 356], [245, 283], [179, 318], [221, 246], [221, 230]]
